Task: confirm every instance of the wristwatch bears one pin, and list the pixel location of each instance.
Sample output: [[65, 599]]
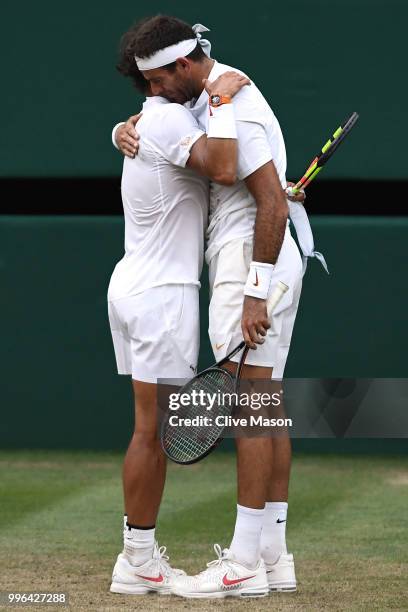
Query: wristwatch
[[217, 100]]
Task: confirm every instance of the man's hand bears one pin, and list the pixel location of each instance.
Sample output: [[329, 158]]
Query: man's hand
[[299, 197], [127, 138], [227, 84], [254, 322]]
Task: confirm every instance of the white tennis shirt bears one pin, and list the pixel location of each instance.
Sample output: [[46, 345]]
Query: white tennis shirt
[[260, 140], [165, 204]]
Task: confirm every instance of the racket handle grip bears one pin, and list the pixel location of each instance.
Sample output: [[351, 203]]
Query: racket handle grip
[[275, 297], [292, 191]]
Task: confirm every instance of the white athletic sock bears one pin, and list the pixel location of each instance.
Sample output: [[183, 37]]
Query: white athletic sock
[[246, 543], [273, 537], [138, 545]]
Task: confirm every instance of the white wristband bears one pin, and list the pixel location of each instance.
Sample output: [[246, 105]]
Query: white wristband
[[114, 134], [259, 280], [221, 123]]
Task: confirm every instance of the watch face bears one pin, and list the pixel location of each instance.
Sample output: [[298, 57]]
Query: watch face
[[215, 99]]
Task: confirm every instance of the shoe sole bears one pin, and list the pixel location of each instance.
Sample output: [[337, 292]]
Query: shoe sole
[[256, 592], [282, 588], [128, 589]]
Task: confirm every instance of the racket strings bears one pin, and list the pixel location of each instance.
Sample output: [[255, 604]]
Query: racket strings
[[214, 397]]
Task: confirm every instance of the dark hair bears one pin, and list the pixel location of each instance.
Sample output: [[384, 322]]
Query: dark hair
[[127, 64], [150, 35]]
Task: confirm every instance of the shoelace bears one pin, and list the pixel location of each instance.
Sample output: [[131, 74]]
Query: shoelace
[[159, 555], [221, 557]]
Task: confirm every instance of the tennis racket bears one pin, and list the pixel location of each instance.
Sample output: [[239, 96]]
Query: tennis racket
[[327, 151], [185, 443]]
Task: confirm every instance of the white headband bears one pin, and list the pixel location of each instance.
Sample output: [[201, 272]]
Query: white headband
[[168, 55]]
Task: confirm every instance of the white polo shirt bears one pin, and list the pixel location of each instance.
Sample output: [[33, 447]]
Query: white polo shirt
[[260, 140], [165, 204]]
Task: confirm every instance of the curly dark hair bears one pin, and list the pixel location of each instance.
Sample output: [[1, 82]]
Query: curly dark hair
[[126, 64], [148, 36]]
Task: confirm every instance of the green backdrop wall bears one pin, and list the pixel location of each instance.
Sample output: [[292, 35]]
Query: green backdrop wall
[[59, 386], [315, 61]]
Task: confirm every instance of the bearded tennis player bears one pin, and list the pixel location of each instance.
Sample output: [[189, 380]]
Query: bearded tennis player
[[153, 295], [249, 249]]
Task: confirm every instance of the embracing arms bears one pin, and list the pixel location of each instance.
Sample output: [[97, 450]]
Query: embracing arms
[[213, 155]]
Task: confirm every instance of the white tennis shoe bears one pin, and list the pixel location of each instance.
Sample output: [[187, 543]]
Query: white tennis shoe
[[224, 577], [281, 574], [156, 575]]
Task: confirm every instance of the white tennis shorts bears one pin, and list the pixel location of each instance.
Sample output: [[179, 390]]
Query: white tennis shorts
[[228, 274], [156, 333]]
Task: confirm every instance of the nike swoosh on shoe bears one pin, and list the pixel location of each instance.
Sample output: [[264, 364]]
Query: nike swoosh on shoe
[[228, 582]]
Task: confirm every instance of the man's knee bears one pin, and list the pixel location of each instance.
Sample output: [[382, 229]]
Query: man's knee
[[146, 412]]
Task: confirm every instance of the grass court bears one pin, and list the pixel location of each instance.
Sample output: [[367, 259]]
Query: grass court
[[61, 528]]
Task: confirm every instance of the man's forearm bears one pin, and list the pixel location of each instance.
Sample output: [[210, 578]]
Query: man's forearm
[[220, 160], [222, 144], [270, 225], [215, 156], [271, 213]]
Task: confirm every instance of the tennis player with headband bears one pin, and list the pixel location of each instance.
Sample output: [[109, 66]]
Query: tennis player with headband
[[249, 249]]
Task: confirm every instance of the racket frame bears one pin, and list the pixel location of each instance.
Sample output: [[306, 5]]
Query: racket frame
[[326, 152], [234, 379]]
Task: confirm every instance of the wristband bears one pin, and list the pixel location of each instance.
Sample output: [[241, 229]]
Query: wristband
[[114, 134], [259, 280], [221, 123]]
